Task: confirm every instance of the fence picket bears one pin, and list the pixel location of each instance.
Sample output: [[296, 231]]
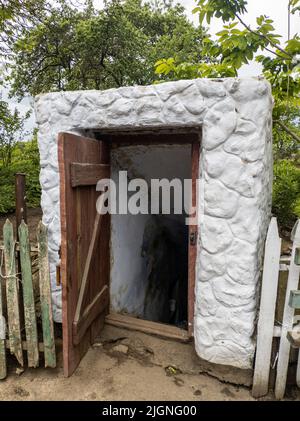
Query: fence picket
[[45, 297], [28, 297], [12, 290], [267, 311], [3, 369], [287, 323], [298, 371]]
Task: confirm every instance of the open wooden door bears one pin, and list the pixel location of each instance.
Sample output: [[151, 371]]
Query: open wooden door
[[193, 238], [84, 244]]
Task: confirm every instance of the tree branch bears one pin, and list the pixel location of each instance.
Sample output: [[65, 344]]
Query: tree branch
[[287, 130], [263, 37]]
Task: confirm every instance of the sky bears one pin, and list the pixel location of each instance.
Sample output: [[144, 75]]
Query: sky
[[275, 9]]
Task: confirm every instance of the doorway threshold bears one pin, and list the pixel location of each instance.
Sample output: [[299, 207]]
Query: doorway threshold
[[146, 326]]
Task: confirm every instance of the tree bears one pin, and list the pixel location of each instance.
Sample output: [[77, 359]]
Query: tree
[[18, 16], [92, 49], [11, 130], [237, 44]]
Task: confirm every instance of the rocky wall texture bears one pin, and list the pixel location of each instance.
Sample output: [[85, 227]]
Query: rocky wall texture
[[235, 116]]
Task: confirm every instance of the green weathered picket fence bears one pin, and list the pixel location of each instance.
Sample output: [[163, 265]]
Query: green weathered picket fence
[[19, 299]]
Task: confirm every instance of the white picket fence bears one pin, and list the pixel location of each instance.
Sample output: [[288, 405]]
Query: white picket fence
[[266, 329]]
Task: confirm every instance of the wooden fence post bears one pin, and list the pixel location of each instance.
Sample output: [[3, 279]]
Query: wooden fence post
[[3, 370], [265, 325], [21, 209], [28, 297], [287, 323], [12, 296], [45, 297]]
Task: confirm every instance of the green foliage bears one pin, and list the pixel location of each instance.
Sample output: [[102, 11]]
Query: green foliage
[[286, 192], [237, 44], [224, 9], [11, 127], [16, 17], [92, 49], [25, 159]]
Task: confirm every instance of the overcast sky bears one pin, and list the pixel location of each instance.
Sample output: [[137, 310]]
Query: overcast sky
[[276, 9]]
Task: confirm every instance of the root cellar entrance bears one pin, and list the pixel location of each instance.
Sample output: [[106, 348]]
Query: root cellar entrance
[[112, 266], [149, 253]]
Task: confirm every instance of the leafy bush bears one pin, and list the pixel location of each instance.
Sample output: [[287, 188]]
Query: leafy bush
[[25, 159], [286, 192]]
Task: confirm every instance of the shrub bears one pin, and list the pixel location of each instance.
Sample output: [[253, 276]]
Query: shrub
[[25, 159], [286, 192]]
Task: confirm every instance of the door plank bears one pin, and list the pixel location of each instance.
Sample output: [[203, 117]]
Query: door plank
[[87, 267], [28, 297], [12, 293], [88, 174], [99, 303], [45, 297]]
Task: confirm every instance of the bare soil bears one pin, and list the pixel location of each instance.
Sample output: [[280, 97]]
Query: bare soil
[[126, 365]]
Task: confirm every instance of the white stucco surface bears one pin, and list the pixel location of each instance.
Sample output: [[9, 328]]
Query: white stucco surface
[[234, 192]]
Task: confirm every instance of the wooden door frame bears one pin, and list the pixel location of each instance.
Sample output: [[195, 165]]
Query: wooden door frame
[[193, 138]]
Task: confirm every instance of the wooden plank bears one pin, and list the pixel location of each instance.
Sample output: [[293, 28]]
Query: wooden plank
[[3, 367], [45, 297], [24, 346], [193, 234], [87, 266], [58, 342], [295, 299], [20, 191], [33, 249], [265, 325], [12, 291], [298, 369], [147, 137], [146, 326], [294, 338], [99, 303], [297, 256], [287, 323], [28, 298], [88, 174]]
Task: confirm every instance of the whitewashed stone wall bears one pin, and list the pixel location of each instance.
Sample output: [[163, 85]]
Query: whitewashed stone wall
[[235, 189]]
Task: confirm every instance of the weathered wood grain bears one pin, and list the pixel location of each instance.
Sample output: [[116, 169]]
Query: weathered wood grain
[[87, 174], [45, 297], [78, 210], [265, 325], [28, 297], [287, 323], [3, 368], [146, 326], [12, 293]]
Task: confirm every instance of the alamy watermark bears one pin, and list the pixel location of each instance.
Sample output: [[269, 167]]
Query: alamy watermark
[[137, 196]]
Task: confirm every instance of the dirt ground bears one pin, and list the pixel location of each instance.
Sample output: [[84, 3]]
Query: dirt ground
[[127, 365]]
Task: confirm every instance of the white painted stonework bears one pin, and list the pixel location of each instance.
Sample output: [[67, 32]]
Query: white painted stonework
[[235, 188]]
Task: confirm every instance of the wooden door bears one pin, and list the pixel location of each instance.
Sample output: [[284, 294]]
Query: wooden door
[[193, 237], [84, 244]]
